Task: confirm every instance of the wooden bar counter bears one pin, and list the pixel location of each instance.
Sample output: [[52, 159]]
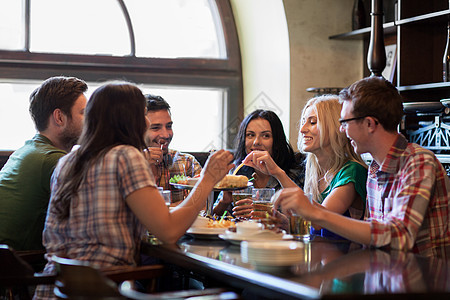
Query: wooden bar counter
[[331, 269]]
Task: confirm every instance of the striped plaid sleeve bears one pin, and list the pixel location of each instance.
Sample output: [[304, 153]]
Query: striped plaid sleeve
[[406, 206], [134, 171]]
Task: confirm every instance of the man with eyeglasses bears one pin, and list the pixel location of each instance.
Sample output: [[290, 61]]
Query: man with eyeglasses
[[407, 187]]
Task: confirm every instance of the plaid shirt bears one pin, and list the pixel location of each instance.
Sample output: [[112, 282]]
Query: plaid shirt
[[408, 201], [101, 227], [177, 163]]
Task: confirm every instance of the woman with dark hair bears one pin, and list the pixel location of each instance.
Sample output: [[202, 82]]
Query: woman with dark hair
[[104, 195], [262, 130], [280, 149]]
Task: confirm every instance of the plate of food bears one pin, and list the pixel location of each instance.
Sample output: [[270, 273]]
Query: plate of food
[[205, 231], [228, 183], [211, 229]]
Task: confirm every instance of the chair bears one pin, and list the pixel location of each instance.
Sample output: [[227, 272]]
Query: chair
[[16, 274], [127, 290], [36, 258], [78, 280]]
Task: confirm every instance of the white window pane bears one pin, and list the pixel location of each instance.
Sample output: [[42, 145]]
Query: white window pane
[[15, 121], [12, 25], [176, 28], [78, 27], [197, 116]]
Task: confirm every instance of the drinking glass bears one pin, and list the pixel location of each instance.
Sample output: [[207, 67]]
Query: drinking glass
[[242, 194], [167, 197], [299, 227], [262, 204]]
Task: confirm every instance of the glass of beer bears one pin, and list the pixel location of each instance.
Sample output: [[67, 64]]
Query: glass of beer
[[241, 195], [244, 194], [299, 227], [262, 204]]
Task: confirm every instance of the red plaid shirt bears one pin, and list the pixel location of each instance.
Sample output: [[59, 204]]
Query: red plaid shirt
[[179, 164], [408, 201]]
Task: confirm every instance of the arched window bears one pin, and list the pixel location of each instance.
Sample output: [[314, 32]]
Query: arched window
[[185, 50]]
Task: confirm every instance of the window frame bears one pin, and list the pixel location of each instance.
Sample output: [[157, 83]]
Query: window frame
[[195, 72]]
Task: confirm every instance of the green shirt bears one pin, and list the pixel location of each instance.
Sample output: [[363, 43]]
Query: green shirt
[[25, 193], [350, 172]]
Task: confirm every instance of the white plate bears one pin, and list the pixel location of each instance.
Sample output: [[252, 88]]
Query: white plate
[[272, 253], [206, 230], [275, 246], [264, 235], [188, 187]]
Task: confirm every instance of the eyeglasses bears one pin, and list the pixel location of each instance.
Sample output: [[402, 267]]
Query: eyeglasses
[[344, 122]]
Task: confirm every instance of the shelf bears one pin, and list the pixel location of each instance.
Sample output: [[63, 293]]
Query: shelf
[[424, 17], [443, 158], [437, 85], [389, 28], [420, 36]]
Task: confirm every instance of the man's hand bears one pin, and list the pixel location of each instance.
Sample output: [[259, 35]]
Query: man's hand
[[154, 155]]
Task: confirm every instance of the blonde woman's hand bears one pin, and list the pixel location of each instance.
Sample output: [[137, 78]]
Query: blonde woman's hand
[[294, 200], [280, 220]]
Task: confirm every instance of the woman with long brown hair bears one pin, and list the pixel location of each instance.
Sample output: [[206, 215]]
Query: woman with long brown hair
[[104, 195]]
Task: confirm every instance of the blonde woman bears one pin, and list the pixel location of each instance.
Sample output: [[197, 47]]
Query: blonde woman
[[335, 175]]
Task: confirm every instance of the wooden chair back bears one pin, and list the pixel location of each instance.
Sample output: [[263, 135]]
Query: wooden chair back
[[128, 290], [16, 274], [78, 280]]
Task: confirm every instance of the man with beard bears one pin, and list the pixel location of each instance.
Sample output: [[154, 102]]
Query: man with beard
[[57, 109], [165, 162]]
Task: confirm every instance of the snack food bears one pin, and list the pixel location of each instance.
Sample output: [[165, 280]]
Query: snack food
[[179, 179], [232, 181], [221, 223]]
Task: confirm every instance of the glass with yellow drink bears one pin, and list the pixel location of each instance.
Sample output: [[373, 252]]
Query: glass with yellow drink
[[262, 204], [299, 227], [241, 195]]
